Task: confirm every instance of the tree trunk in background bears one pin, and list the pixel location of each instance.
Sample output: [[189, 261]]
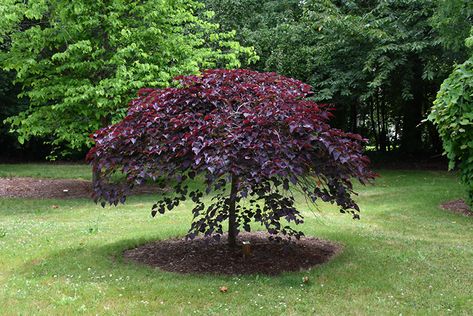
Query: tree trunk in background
[[373, 125], [411, 138], [383, 142], [434, 138], [341, 114], [104, 122], [436, 145], [232, 217], [354, 116], [380, 124]]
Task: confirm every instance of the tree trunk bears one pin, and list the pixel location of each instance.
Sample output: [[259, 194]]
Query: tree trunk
[[232, 216], [434, 139], [384, 143], [373, 125], [354, 116], [104, 122], [411, 137], [379, 124]]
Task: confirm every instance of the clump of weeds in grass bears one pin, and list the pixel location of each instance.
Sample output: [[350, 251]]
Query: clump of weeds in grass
[[93, 227]]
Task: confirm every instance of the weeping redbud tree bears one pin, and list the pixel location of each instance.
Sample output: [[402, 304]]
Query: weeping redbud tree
[[253, 138]]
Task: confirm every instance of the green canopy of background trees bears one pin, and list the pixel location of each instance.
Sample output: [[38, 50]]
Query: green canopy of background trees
[[80, 62], [380, 62]]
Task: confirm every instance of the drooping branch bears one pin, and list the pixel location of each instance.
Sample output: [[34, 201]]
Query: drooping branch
[[258, 129]]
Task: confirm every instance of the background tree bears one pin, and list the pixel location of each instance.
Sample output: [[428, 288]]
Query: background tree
[[9, 106], [380, 62], [80, 62], [392, 78], [274, 28], [262, 25], [452, 21], [257, 132]]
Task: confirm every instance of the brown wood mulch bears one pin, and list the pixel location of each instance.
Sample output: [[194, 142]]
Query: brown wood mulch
[[204, 256], [457, 206], [18, 187]]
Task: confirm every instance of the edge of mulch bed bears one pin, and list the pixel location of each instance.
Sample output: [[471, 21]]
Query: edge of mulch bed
[[206, 256], [47, 188], [457, 207]]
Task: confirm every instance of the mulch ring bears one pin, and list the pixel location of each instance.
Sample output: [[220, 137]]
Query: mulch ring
[[55, 188], [207, 256], [457, 206]]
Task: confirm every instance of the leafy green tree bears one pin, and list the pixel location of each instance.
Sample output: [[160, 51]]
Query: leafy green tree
[[9, 105], [80, 62], [452, 114], [261, 24], [380, 62], [452, 21], [383, 60]]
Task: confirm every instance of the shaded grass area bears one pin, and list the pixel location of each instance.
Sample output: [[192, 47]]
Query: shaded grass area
[[47, 170], [405, 256]]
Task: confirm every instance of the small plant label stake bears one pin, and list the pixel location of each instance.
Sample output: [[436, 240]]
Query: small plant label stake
[[246, 248]]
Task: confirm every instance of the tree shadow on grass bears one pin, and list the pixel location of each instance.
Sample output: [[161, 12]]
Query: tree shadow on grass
[[88, 261], [96, 263]]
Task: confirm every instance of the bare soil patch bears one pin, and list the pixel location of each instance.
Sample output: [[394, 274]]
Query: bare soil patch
[[54, 188], [457, 206], [204, 256]]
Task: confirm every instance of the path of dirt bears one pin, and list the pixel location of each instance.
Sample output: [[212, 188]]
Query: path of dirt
[[54, 188], [202, 256]]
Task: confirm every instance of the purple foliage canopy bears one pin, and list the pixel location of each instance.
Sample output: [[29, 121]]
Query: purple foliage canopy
[[257, 131]]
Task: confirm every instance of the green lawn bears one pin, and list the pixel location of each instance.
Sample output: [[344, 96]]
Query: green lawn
[[43, 170], [405, 256]]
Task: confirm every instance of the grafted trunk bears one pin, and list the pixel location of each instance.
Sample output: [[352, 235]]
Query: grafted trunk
[[232, 217]]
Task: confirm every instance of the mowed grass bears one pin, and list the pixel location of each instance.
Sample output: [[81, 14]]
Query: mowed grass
[[47, 170], [405, 256]]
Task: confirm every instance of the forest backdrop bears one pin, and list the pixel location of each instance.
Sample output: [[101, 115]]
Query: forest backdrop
[[76, 65]]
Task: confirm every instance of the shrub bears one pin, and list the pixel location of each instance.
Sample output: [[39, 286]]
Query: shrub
[[250, 136], [452, 113]]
